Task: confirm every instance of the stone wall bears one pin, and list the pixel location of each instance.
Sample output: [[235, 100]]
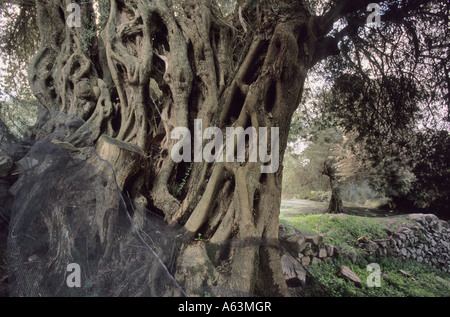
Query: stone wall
[[299, 251], [426, 240]]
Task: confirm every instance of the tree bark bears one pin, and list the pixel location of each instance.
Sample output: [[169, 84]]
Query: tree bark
[[335, 205], [158, 66]]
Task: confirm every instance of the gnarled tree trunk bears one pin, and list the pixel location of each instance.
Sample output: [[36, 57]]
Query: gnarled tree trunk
[[158, 65], [335, 206]]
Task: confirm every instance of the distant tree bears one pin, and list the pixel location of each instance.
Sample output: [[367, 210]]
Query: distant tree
[[389, 177], [379, 116], [309, 168]]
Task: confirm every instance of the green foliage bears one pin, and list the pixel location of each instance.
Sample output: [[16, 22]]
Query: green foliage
[[103, 10], [19, 40], [199, 238], [177, 189], [360, 193], [374, 158], [18, 115], [315, 195], [316, 136], [432, 169], [344, 230], [227, 6], [377, 109], [87, 36]]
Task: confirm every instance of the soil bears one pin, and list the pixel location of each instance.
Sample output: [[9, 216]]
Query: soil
[[294, 206]]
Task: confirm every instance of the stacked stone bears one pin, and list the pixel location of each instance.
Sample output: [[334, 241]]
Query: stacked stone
[[309, 249], [303, 251], [428, 241]]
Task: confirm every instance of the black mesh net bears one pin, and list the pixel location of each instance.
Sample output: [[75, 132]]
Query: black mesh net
[[66, 229]]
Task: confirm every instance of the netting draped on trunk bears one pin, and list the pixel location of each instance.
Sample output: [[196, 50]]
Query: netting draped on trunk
[[67, 209]]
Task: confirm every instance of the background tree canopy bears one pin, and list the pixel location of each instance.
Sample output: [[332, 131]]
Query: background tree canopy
[[390, 116]]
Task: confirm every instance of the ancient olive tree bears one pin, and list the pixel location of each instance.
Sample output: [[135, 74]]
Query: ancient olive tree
[[135, 70]]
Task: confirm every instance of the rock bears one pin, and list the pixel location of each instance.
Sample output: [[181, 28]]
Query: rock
[[306, 260], [330, 249], [363, 239], [285, 231], [371, 247], [308, 247], [417, 217], [431, 219], [400, 234], [315, 260], [296, 243], [406, 231], [346, 273], [438, 227], [6, 164], [323, 251], [311, 253], [404, 251], [406, 274], [294, 272], [351, 255], [315, 240]]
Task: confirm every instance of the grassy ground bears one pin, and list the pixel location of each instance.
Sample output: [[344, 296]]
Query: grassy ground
[[425, 282], [343, 231]]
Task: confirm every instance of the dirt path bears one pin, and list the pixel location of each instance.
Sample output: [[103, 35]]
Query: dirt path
[[295, 206]]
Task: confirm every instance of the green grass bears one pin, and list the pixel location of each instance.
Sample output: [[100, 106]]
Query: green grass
[[323, 279], [343, 231]]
